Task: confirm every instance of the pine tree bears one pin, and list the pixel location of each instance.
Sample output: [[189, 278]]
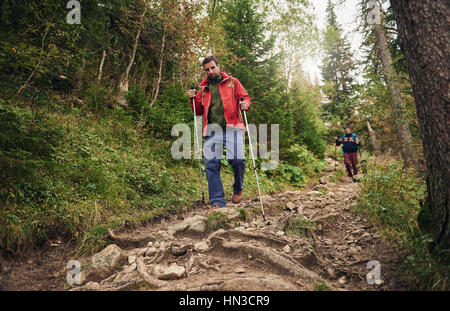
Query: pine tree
[[252, 60], [337, 70]]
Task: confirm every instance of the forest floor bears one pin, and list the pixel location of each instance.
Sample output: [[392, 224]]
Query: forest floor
[[310, 240]]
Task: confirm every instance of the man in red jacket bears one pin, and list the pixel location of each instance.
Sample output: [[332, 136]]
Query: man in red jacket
[[217, 101]]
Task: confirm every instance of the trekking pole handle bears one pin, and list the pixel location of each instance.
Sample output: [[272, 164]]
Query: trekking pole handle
[[242, 100]]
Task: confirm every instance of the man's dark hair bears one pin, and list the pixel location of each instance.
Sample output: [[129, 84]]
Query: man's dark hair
[[347, 127], [208, 59]]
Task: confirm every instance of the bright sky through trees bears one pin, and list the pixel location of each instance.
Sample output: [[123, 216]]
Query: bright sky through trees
[[346, 14]]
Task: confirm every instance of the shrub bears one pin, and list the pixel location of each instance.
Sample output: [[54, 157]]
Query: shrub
[[98, 97], [292, 174], [390, 196], [27, 143], [138, 102], [172, 107], [299, 155]]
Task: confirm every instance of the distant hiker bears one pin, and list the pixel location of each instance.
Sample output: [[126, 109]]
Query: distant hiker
[[217, 102], [350, 144]]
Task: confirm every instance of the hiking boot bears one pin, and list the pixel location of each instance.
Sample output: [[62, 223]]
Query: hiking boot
[[350, 179], [237, 197]]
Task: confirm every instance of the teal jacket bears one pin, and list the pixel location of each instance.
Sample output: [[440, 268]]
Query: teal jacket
[[350, 143]]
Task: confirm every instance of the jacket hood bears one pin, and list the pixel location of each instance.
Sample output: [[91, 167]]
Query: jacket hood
[[204, 83]]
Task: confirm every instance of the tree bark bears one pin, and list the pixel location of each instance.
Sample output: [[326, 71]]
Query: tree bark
[[213, 16], [425, 39], [100, 69], [161, 57], [80, 72], [373, 139], [398, 108], [124, 81]]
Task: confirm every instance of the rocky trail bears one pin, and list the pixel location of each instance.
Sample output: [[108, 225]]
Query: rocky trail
[[311, 240]]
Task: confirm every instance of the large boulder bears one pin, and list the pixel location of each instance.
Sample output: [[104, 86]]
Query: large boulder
[[103, 264], [171, 272], [197, 227], [187, 223], [112, 256]]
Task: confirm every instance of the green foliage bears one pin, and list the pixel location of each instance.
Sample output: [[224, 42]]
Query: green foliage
[[390, 197], [36, 45], [138, 102], [243, 213], [337, 71], [98, 97], [27, 144], [299, 155], [307, 126], [297, 164], [292, 174], [323, 286], [172, 107]]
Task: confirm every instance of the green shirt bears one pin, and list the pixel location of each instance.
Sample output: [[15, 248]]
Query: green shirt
[[216, 114]]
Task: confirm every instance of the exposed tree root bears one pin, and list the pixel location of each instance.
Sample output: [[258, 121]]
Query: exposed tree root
[[253, 236], [136, 241], [142, 270], [278, 262], [225, 283]]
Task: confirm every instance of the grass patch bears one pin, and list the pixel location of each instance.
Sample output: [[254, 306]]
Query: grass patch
[[320, 287], [390, 196], [216, 221], [300, 226], [243, 213], [338, 176]]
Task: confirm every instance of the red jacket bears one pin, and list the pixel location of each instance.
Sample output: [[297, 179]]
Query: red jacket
[[231, 108]]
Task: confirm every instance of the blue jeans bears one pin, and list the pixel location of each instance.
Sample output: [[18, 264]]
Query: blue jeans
[[233, 140]]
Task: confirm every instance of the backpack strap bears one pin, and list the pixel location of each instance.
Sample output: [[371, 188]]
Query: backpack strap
[[231, 84], [202, 89]]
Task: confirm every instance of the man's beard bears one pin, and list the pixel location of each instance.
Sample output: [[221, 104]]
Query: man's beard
[[215, 78]]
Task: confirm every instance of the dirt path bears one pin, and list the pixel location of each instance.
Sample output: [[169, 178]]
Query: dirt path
[[311, 240]]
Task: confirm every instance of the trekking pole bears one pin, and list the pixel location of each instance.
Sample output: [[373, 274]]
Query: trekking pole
[[198, 146], [335, 157], [254, 164]]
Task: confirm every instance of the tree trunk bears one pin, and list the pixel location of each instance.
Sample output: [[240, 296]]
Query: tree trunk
[[213, 15], [373, 139], [37, 65], [100, 69], [398, 108], [80, 72], [124, 81], [425, 39], [161, 56]]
